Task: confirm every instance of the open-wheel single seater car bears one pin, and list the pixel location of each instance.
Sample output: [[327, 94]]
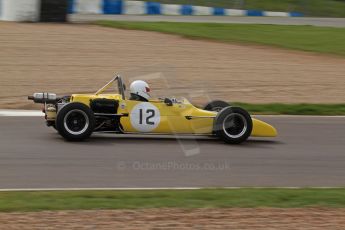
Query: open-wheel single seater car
[[77, 116]]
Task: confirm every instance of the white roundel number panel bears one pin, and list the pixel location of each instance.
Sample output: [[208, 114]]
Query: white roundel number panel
[[145, 117]]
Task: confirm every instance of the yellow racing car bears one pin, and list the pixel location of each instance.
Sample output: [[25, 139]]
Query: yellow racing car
[[77, 116]]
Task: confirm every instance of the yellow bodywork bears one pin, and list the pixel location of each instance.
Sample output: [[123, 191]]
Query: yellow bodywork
[[173, 118], [262, 129]]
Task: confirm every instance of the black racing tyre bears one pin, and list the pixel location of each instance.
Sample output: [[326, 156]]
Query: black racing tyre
[[75, 121], [216, 105], [233, 125]]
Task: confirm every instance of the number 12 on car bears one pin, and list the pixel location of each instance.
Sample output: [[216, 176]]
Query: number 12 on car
[[149, 114]]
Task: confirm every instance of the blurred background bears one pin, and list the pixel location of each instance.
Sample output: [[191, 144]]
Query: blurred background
[[271, 57], [312, 8]]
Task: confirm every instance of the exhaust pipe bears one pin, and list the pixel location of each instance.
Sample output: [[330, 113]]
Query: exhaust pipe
[[43, 98]]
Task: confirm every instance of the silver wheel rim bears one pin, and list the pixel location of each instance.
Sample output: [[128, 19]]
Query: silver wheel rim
[[66, 122], [230, 123]]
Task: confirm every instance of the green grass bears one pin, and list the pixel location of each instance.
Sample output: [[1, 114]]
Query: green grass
[[307, 38], [293, 109], [205, 198], [320, 8]]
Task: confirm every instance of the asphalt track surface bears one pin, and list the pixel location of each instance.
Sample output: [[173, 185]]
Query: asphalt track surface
[[328, 22], [310, 151]]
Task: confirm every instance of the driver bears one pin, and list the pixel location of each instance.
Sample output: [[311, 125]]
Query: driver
[[139, 91]]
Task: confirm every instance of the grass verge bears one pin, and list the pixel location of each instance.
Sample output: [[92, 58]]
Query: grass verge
[[294, 109], [307, 38], [204, 198], [320, 8]]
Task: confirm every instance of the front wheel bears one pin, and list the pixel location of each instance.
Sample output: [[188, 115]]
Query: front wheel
[[216, 105], [75, 122], [233, 125]]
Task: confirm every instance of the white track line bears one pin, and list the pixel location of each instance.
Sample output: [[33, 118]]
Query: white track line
[[38, 113], [158, 188], [21, 113]]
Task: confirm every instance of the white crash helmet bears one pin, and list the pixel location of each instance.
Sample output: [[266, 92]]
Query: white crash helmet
[[140, 88]]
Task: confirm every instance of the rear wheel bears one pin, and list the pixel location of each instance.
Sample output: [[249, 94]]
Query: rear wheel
[[233, 125], [75, 122], [216, 105]]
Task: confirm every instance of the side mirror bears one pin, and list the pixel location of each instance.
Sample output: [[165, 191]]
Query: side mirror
[[168, 102]]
